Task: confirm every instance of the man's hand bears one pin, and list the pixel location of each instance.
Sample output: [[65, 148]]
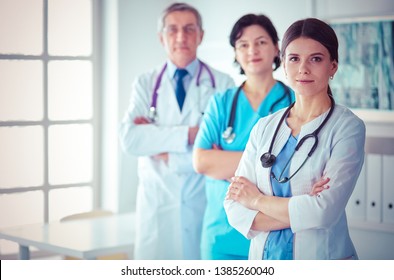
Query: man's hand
[[141, 120], [192, 134], [161, 157]]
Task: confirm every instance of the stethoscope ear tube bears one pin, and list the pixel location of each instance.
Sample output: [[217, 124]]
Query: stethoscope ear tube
[[228, 134], [211, 77], [286, 94], [267, 159], [152, 115]]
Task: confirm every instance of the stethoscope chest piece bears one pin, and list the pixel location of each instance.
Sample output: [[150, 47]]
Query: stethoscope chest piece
[[152, 115], [228, 135], [267, 159]]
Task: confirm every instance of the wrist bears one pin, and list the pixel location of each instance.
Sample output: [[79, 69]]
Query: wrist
[[258, 201]]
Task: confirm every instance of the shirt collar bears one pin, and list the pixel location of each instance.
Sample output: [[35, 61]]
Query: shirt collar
[[191, 68]]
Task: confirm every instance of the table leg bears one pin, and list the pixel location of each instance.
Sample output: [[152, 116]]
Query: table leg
[[24, 252]]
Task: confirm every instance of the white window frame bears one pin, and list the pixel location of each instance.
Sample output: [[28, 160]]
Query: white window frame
[[95, 121]]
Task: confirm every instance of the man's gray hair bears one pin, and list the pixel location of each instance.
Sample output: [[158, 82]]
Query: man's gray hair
[[179, 7]]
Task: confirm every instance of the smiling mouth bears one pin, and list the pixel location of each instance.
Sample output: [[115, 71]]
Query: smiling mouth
[[255, 60], [304, 81]]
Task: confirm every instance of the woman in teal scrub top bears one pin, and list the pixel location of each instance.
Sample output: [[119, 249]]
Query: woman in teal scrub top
[[216, 155]]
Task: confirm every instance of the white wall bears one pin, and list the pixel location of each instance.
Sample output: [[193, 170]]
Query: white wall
[[139, 50], [353, 8]]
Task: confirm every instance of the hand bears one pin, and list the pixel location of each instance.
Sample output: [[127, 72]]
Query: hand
[[192, 133], [244, 192], [141, 120], [162, 157], [319, 186]]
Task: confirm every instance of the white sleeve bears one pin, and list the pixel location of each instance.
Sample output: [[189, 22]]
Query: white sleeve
[[240, 217], [343, 167], [181, 162], [141, 140]]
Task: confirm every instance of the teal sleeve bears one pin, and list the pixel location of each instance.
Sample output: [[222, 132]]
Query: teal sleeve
[[209, 131]]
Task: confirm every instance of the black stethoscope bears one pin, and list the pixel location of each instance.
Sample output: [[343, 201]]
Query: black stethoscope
[[228, 135], [152, 109], [268, 159]]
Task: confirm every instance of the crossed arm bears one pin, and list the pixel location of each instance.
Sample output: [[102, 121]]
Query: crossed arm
[[192, 132], [216, 163], [273, 212]]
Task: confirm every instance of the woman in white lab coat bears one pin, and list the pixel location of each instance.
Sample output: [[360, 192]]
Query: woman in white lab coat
[[268, 200], [171, 196]]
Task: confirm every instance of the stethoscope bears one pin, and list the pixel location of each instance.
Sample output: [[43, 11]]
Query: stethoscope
[[152, 115], [228, 135], [268, 159]]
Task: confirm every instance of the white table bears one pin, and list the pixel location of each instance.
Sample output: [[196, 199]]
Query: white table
[[85, 238]]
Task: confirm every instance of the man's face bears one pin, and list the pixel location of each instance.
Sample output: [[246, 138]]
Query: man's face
[[181, 37]]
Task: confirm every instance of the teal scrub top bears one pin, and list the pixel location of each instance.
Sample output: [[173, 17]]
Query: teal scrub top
[[219, 239], [279, 244]]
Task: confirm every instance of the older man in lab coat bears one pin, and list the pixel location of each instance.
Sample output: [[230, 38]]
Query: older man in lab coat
[[171, 196]]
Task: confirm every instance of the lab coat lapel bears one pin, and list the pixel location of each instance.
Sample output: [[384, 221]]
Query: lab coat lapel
[[281, 139], [310, 128], [197, 98], [167, 104]]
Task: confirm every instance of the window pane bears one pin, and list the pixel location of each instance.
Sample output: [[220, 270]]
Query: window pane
[[70, 27], [18, 209], [70, 90], [22, 156], [70, 153], [17, 36], [64, 202], [21, 90]]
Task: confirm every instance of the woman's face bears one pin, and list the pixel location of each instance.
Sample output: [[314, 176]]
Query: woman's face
[[255, 51], [308, 66]]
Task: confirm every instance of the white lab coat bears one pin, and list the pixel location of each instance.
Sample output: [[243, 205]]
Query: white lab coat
[[318, 222], [170, 198]]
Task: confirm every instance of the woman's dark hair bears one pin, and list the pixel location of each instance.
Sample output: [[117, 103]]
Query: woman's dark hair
[[314, 29], [253, 19]]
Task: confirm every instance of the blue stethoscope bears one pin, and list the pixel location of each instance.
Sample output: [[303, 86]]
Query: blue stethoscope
[[152, 115], [268, 159], [228, 135]]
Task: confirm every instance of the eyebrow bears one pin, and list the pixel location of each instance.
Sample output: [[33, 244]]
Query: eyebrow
[[312, 54], [258, 38], [261, 37], [176, 25]]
